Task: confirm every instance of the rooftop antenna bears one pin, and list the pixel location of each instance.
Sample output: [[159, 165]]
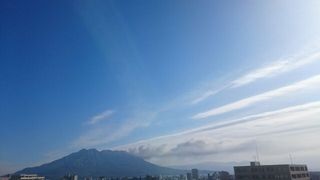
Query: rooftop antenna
[[254, 158], [257, 151], [290, 156]]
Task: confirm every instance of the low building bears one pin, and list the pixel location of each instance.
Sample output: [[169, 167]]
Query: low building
[[5, 177], [315, 175], [70, 177], [220, 175], [224, 175], [26, 177], [195, 174], [271, 172], [182, 177], [189, 176]]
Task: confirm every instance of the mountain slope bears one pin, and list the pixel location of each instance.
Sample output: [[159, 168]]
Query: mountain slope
[[99, 163]]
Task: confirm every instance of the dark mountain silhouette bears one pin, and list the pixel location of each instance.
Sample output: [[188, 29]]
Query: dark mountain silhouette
[[96, 163]]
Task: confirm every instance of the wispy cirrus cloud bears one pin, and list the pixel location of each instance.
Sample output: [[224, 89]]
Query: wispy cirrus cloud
[[291, 110], [106, 134], [273, 69], [101, 116], [207, 94], [276, 68], [103, 135], [232, 140], [313, 82]]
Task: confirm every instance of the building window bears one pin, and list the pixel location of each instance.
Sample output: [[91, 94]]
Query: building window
[[294, 176]]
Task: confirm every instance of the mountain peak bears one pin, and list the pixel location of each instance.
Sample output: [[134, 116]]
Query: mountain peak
[[94, 163], [88, 150]]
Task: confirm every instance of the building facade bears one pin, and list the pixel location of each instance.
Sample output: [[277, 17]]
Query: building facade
[[189, 176], [195, 174], [26, 177], [220, 175], [315, 175], [271, 172], [70, 177]]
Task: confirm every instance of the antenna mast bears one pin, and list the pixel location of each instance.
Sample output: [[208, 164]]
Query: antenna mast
[[291, 158], [257, 151]]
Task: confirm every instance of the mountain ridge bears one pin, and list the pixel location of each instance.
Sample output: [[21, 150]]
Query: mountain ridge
[[91, 162]]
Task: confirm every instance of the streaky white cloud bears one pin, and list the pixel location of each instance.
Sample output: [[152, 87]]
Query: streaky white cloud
[[271, 70], [311, 106], [276, 68], [102, 135], [313, 82], [276, 132], [100, 117], [207, 94]]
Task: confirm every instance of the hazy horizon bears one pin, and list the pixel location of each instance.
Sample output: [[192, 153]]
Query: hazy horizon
[[178, 83]]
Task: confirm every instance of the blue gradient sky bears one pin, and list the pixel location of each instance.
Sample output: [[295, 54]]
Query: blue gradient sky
[[117, 74]]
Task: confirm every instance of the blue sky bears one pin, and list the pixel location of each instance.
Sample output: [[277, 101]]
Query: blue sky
[[166, 80]]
